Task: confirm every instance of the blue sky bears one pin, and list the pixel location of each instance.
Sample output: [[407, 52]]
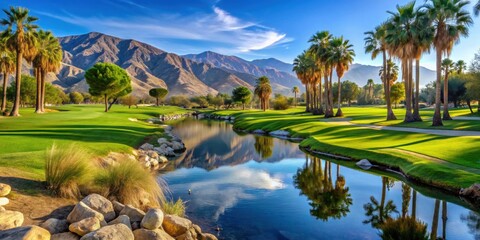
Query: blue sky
[[249, 29]]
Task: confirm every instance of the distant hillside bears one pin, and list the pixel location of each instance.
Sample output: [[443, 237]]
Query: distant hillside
[[275, 64]]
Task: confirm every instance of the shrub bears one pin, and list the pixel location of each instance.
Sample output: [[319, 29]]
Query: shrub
[[128, 182], [280, 103], [65, 170], [174, 208]]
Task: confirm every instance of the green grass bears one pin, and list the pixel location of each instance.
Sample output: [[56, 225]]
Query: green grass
[[450, 162], [24, 140]]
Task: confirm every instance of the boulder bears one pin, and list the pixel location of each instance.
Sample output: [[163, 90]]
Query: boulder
[[472, 192], [176, 226], [364, 164], [152, 154], [162, 141], [117, 207], [54, 225], [111, 232], [25, 233], [197, 229], [135, 225], [123, 219], [208, 236], [85, 226], [280, 133], [153, 219], [101, 205], [259, 131], [82, 211], [178, 146], [157, 234], [133, 213], [4, 201], [147, 164], [4, 189], [162, 159], [154, 162], [186, 236], [65, 236], [2, 209], [10, 219], [144, 158], [146, 146]]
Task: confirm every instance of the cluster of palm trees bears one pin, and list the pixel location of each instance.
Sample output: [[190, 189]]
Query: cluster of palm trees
[[23, 40], [263, 90], [409, 33], [325, 55]]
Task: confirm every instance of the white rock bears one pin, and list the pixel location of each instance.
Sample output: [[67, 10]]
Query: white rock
[[4, 201], [4, 189], [153, 219], [364, 164], [146, 146], [162, 159], [177, 146], [101, 205], [10, 219], [280, 133], [259, 131]]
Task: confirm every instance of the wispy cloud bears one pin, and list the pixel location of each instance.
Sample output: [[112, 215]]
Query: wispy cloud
[[216, 26]]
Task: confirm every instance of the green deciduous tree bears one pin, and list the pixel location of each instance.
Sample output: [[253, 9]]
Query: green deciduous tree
[[108, 81], [76, 97], [242, 95], [397, 93], [158, 93]]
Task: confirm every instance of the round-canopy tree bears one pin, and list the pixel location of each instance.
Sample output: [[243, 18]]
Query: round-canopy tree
[[109, 81], [158, 93], [242, 94]]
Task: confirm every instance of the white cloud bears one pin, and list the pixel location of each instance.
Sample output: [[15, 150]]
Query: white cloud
[[216, 27]]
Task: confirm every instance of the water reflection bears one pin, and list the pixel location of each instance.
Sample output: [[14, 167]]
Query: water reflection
[[264, 146], [472, 219], [326, 201]]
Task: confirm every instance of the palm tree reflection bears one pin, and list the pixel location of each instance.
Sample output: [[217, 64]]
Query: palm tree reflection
[[264, 146]]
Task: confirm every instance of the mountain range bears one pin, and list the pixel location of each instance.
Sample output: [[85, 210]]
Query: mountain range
[[192, 74]]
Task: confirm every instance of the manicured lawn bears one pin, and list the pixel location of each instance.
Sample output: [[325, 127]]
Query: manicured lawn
[[23, 140], [459, 164]]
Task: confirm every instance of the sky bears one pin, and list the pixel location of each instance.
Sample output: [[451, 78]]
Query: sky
[[248, 29]]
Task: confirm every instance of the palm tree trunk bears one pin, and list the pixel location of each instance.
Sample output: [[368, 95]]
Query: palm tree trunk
[[329, 112], [43, 75], [382, 200], [414, 204], [339, 110], [437, 118], [446, 114], [408, 90], [294, 100], [320, 96], [444, 219], [18, 80], [4, 94], [386, 82], [416, 109], [157, 101], [433, 234], [38, 109], [307, 97], [314, 99]]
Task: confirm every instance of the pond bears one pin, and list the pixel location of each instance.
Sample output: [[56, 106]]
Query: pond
[[256, 187]]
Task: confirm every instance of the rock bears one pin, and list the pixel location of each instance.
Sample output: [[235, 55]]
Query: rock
[[147, 164], [101, 205], [65, 236], [472, 192], [85, 226], [123, 219], [208, 236], [153, 219], [178, 146], [111, 232], [258, 131], [364, 164], [186, 236], [152, 154], [197, 229], [162, 141], [117, 207], [4, 189], [154, 162], [10, 219], [157, 234], [54, 225], [82, 211], [176, 226], [146, 146], [134, 214], [162, 159], [4, 201], [2, 209], [135, 225], [144, 158], [280, 133], [25, 233]]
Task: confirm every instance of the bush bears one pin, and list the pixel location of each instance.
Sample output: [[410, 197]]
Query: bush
[[175, 208], [281, 103], [65, 170], [128, 182]]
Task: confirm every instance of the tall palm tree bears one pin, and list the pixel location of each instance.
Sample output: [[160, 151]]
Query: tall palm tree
[[447, 67], [460, 66], [341, 56], [320, 48], [400, 43], [21, 28], [48, 59], [302, 66], [391, 73], [295, 90], [370, 84], [263, 90], [450, 21], [375, 44], [7, 66]]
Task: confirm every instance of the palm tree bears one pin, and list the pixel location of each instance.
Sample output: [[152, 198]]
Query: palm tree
[[450, 22], [400, 43], [341, 56], [48, 59], [21, 28], [375, 44], [447, 67], [303, 65], [370, 84], [263, 90], [476, 8], [7, 66], [460, 66], [320, 49], [295, 91]]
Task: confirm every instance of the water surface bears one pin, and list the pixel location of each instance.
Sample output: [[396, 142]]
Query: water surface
[[255, 187]]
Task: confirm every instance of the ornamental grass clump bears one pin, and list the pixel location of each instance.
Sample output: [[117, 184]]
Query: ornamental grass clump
[[175, 208], [66, 169]]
